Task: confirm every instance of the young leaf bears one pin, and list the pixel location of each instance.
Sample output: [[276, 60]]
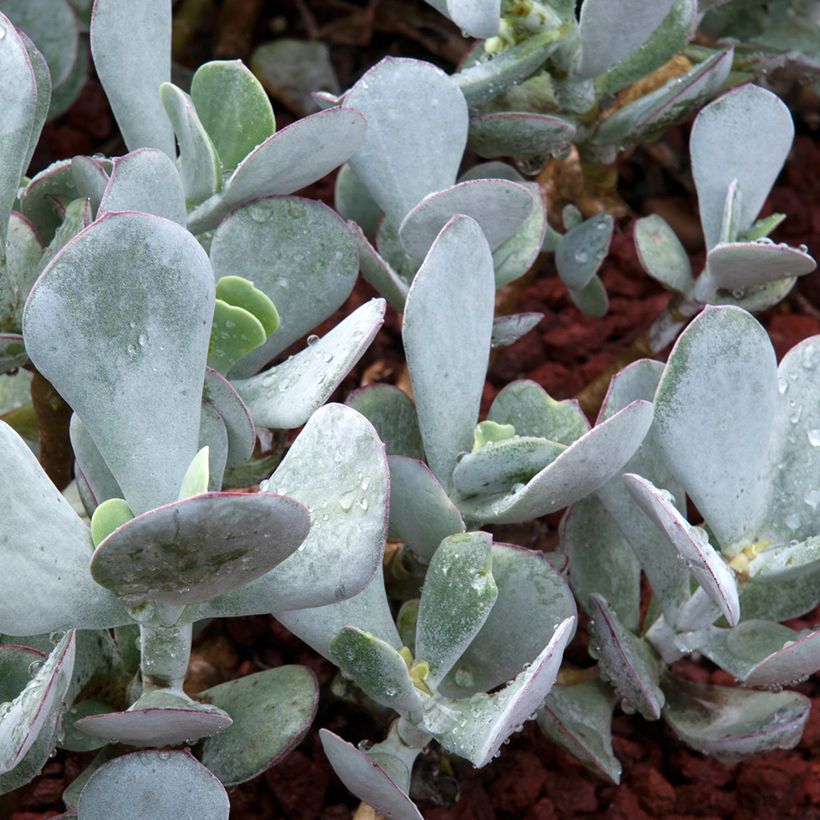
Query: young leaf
[[295, 251], [164, 785], [44, 588], [447, 331], [392, 412], [200, 547], [132, 55], [582, 250], [692, 544], [745, 135], [110, 515], [195, 480], [234, 333], [150, 330], [661, 253], [421, 514], [271, 710], [412, 149], [234, 109]]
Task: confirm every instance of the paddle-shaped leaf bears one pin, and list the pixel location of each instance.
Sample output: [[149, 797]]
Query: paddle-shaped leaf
[[23, 252], [459, 592], [392, 412], [421, 514], [220, 396], [531, 591], [367, 779], [337, 469], [628, 661], [164, 785], [661, 253], [609, 33], [714, 409], [447, 330], [412, 148], [289, 393], [497, 205], [478, 18], [735, 265], [94, 472], [518, 134], [476, 727], [200, 547], [297, 252], [692, 544], [19, 105], [145, 180], [45, 550], [150, 326], [579, 718], [745, 135], [583, 467], [132, 55], [507, 330], [37, 704], [730, 723], [234, 109], [378, 670], [271, 710]]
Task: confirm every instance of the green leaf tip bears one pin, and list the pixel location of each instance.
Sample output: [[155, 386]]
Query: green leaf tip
[[489, 432], [195, 480], [109, 516]]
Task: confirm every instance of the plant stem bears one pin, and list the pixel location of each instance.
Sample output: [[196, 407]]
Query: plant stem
[[165, 651]]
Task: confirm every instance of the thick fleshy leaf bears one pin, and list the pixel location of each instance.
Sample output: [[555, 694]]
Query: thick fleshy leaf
[[592, 299], [658, 558], [198, 163], [94, 472], [289, 393], [497, 205], [516, 255], [163, 785], [582, 250], [337, 469], [90, 178], [198, 548], [218, 393], [531, 591], [213, 435], [66, 93], [714, 411], [23, 252], [234, 109], [730, 723], [533, 412], [353, 202], [736, 265], [579, 718], [478, 18], [271, 710], [745, 135], [378, 670], [150, 326], [369, 611], [667, 40], [45, 583], [661, 253], [692, 544], [297, 252], [499, 466], [145, 180], [297, 155], [392, 412], [132, 55], [601, 560], [32, 709], [459, 592], [507, 330], [160, 717], [379, 272], [628, 661], [421, 514], [20, 111], [416, 133], [650, 115], [35, 759], [447, 330], [476, 727], [367, 779], [43, 200], [762, 653], [485, 80], [42, 82], [583, 467], [518, 134], [235, 332], [609, 33]]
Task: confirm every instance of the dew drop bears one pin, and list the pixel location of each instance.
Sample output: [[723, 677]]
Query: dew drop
[[813, 437], [34, 668], [312, 339], [142, 339]]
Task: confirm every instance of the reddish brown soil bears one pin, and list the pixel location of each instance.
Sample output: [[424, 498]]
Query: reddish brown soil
[[532, 779]]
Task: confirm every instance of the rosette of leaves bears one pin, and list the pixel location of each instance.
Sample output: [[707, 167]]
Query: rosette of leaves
[[441, 665], [734, 434], [153, 429], [738, 145]]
